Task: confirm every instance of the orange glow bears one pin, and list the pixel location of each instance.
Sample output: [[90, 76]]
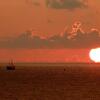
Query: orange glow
[[95, 54], [44, 55], [18, 16]]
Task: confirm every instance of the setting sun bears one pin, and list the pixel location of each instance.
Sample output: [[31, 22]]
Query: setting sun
[[94, 54]]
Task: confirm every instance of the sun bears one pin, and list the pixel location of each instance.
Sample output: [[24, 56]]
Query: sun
[[94, 55]]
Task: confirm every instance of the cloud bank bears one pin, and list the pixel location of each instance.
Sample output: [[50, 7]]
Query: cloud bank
[[77, 38], [66, 4]]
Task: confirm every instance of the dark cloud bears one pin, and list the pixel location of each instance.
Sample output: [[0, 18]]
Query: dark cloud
[[77, 38], [25, 40], [66, 4]]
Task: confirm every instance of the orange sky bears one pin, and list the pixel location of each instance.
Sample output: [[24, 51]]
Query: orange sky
[[46, 55], [18, 16]]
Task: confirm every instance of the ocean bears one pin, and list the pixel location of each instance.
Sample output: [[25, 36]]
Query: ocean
[[46, 81]]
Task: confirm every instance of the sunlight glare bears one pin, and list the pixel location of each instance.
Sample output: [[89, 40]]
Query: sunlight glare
[[94, 55]]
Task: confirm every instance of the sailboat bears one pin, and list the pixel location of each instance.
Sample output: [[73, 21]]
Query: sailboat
[[10, 66]]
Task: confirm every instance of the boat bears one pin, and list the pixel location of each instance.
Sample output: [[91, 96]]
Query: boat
[[10, 66]]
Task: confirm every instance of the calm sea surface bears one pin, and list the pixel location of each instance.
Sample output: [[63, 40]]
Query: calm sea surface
[[69, 82]]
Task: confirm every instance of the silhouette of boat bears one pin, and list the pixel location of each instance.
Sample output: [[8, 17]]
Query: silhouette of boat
[[10, 66]]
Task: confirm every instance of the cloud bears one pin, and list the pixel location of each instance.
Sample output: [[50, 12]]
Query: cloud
[[77, 38], [25, 40], [66, 4]]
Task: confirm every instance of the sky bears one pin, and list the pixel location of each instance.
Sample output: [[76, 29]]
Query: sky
[[18, 16], [45, 18]]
